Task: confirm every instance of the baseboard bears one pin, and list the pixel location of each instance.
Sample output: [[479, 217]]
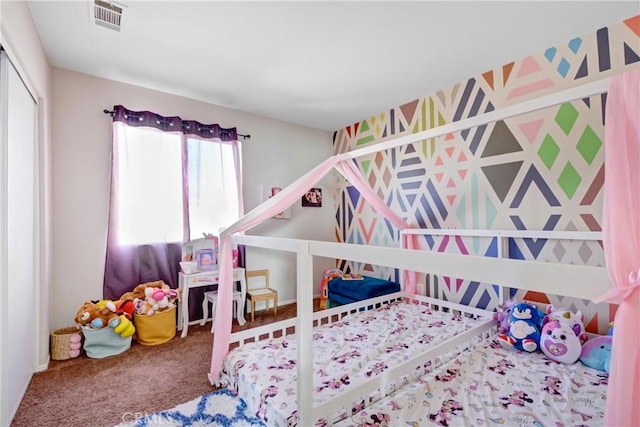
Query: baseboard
[[14, 411], [287, 302], [44, 366], [281, 303], [293, 301]]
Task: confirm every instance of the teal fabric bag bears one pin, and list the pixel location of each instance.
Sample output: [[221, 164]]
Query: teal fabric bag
[[101, 343]]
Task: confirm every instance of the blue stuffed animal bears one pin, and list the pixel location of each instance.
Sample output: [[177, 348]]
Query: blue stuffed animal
[[524, 328], [596, 353]]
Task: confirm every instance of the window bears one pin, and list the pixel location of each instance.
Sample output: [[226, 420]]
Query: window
[[150, 186], [213, 186], [171, 181]]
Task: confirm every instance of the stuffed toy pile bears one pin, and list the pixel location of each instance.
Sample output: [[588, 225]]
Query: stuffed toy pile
[[151, 297], [107, 313], [559, 334], [144, 299]]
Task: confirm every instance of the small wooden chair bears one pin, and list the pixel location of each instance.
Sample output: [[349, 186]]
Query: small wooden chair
[[263, 293]]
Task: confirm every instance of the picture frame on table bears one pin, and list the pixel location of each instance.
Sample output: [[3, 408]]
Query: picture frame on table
[[206, 259]]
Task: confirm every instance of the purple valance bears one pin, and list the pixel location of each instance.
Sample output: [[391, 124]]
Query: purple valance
[[173, 124]]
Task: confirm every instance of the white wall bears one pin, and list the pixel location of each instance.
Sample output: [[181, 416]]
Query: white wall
[[277, 153], [286, 158], [21, 40]]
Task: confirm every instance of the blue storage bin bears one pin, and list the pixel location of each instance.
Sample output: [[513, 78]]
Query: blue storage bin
[[101, 343]]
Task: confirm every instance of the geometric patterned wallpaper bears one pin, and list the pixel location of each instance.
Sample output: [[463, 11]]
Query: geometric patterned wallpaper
[[539, 171]]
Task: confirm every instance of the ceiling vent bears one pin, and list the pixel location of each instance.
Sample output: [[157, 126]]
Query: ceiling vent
[[107, 14]]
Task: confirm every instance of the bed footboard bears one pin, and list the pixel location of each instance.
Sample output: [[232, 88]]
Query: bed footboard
[[323, 317], [332, 315]]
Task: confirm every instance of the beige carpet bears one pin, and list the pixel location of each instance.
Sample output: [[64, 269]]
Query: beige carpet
[[104, 392]]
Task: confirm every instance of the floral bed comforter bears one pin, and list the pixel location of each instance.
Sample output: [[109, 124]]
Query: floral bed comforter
[[361, 345], [491, 386]]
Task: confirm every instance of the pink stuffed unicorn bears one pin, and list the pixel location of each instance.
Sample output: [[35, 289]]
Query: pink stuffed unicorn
[[564, 315], [560, 341]]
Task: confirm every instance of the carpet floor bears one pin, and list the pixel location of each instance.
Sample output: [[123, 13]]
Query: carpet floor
[[142, 380]]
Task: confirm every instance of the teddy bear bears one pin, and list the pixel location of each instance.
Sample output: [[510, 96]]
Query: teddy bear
[[90, 314], [100, 315]]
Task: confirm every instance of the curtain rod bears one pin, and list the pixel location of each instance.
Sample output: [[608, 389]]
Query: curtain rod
[[111, 113]]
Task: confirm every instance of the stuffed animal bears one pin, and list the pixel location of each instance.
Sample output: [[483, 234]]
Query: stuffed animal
[[156, 299], [596, 353], [560, 341], [329, 274], [125, 327], [332, 273], [75, 343], [139, 291], [125, 307], [90, 314], [119, 307], [502, 316], [524, 332], [163, 297], [143, 307], [565, 315], [100, 315]]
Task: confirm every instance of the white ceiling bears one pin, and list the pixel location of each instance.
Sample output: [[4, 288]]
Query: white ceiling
[[322, 64]]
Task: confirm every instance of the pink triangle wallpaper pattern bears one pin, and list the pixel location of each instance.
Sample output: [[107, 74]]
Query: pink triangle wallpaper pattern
[[539, 171]]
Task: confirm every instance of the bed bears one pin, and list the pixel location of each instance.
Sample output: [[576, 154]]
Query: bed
[[585, 282], [351, 370], [356, 346]]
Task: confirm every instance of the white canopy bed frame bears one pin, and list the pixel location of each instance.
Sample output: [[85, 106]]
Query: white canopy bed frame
[[578, 281], [586, 282]]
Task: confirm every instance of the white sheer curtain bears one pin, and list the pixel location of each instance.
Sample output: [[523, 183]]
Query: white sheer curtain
[[149, 186], [213, 186]]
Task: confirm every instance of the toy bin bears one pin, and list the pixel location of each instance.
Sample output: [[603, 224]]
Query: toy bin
[[101, 343], [66, 343], [157, 328]]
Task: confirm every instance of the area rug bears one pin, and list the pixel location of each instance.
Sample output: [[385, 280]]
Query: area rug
[[216, 409]]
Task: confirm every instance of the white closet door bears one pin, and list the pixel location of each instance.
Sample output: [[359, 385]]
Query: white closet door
[[19, 257]]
